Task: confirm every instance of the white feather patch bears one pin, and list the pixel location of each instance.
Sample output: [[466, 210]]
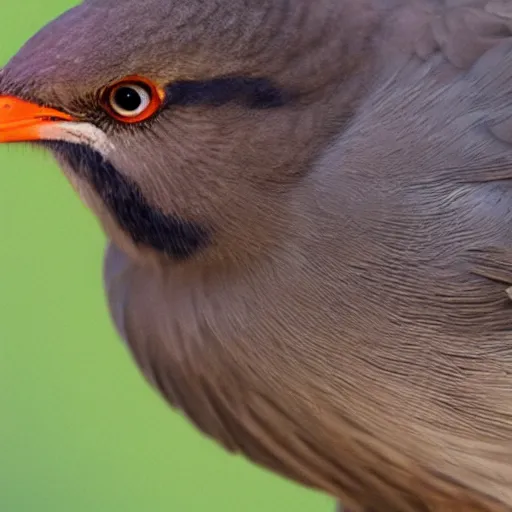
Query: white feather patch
[[78, 133]]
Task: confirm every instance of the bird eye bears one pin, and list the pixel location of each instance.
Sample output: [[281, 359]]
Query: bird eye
[[129, 100], [132, 100]]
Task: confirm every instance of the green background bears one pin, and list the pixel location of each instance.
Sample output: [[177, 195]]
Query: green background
[[80, 431]]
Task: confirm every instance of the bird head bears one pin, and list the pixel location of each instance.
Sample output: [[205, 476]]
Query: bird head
[[186, 126]]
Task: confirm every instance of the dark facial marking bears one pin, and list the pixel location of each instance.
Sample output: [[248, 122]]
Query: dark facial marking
[[255, 93], [177, 238]]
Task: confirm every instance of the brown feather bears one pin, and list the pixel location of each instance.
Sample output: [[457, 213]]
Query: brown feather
[[350, 325]]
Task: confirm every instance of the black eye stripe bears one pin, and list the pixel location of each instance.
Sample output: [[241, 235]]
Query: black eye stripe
[[255, 93]]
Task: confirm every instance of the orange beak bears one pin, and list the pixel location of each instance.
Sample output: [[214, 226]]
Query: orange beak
[[22, 121]]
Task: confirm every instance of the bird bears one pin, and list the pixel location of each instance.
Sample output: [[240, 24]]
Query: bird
[[308, 209]]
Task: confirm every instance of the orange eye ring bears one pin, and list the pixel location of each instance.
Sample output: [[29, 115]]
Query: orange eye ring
[[132, 99]]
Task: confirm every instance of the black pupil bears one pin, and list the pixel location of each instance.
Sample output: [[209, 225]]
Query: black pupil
[[127, 98]]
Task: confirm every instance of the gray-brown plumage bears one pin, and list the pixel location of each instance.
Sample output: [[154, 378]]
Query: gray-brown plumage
[[311, 238]]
